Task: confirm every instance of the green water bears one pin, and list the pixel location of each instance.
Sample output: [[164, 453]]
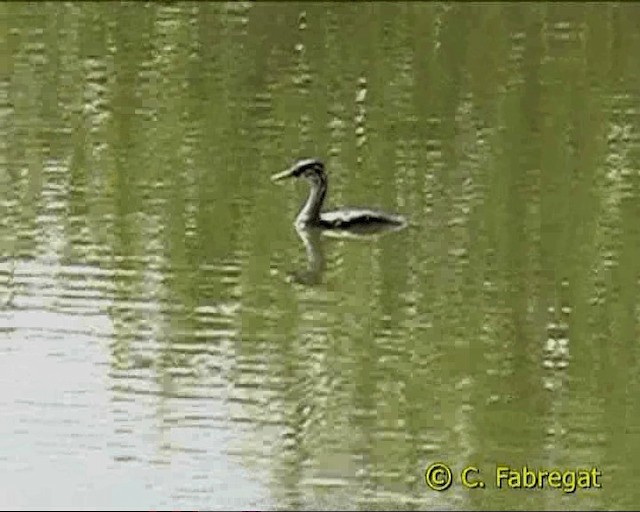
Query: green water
[[167, 338]]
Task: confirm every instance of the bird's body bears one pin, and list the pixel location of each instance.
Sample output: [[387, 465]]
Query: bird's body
[[347, 221]]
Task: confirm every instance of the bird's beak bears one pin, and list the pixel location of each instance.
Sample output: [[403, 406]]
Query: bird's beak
[[283, 175]]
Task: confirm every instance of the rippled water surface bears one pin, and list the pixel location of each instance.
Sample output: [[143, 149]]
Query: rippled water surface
[[169, 340]]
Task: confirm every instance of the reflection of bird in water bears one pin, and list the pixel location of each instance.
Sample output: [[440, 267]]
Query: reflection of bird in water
[[315, 257], [346, 221]]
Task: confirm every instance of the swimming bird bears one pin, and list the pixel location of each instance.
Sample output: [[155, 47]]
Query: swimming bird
[[346, 220]]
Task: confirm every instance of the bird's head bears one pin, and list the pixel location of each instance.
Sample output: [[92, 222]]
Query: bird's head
[[310, 169]]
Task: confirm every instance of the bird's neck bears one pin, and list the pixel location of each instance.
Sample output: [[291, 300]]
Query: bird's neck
[[310, 212]]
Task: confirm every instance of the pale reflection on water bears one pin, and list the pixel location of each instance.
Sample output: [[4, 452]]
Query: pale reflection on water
[[80, 428]]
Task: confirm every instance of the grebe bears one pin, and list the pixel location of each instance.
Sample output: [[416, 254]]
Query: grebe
[[353, 220]]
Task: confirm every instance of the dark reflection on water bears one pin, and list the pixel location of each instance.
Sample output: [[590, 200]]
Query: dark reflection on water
[[165, 328]]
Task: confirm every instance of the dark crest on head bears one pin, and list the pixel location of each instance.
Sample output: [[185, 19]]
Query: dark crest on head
[[302, 167]]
